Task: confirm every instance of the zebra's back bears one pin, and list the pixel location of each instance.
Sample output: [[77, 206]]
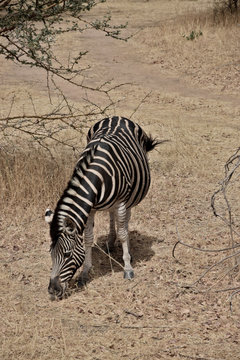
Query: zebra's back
[[120, 153]]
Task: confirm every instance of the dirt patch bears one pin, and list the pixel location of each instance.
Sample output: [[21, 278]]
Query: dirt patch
[[151, 317]]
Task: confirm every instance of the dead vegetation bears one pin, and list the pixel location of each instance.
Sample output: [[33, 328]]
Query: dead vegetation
[[225, 207], [193, 103], [199, 47]]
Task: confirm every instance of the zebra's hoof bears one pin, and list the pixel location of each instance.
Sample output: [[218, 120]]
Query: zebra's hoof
[[128, 274]]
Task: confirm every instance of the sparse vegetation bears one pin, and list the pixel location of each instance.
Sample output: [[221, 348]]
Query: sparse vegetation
[[193, 35]]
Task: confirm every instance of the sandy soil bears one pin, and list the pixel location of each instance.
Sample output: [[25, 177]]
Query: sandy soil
[[153, 316]]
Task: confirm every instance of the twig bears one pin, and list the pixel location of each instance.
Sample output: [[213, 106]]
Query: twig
[[115, 326], [108, 255], [231, 297], [193, 357], [11, 106], [210, 268], [223, 276], [227, 289], [229, 172], [140, 103], [203, 250], [138, 316], [206, 250]]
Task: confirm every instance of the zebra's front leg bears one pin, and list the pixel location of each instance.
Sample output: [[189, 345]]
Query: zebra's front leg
[[122, 217], [88, 240]]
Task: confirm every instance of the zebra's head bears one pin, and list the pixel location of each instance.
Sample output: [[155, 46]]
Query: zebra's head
[[67, 253]]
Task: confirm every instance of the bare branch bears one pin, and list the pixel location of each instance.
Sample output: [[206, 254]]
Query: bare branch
[[140, 103], [232, 176]]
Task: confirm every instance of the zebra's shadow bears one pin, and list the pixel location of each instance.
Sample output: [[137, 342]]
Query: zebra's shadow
[[141, 251], [103, 264]]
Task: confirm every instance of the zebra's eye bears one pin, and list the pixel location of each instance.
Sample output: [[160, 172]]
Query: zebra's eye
[[67, 253]]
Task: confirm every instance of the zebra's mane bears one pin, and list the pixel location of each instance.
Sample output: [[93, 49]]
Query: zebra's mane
[[85, 160]]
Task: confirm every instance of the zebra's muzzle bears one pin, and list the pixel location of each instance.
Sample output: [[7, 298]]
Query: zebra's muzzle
[[55, 288]]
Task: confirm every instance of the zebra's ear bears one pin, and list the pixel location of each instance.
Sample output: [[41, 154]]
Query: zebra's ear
[[69, 226], [48, 216]]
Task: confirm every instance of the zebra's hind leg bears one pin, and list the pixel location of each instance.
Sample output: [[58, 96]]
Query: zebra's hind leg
[[112, 232], [123, 216], [88, 240]]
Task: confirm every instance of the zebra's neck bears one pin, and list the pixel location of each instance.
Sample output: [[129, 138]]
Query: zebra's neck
[[80, 194], [75, 204]]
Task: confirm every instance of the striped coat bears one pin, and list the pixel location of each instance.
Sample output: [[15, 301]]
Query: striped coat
[[111, 174]]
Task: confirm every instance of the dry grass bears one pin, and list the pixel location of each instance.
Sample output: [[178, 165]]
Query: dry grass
[[152, 317], [28, 178], [211, 60]]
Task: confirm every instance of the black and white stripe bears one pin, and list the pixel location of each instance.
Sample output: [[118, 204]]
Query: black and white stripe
[[111, 174]]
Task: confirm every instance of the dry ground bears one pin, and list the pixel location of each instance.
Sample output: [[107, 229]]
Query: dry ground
[[193, 100]]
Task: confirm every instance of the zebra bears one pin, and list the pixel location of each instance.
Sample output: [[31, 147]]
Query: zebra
[[112, 174]]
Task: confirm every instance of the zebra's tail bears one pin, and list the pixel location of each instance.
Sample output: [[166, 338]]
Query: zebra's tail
[[151, 143]]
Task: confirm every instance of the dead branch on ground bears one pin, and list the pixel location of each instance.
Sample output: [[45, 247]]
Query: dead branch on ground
[[226, 214], [231, 170]]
